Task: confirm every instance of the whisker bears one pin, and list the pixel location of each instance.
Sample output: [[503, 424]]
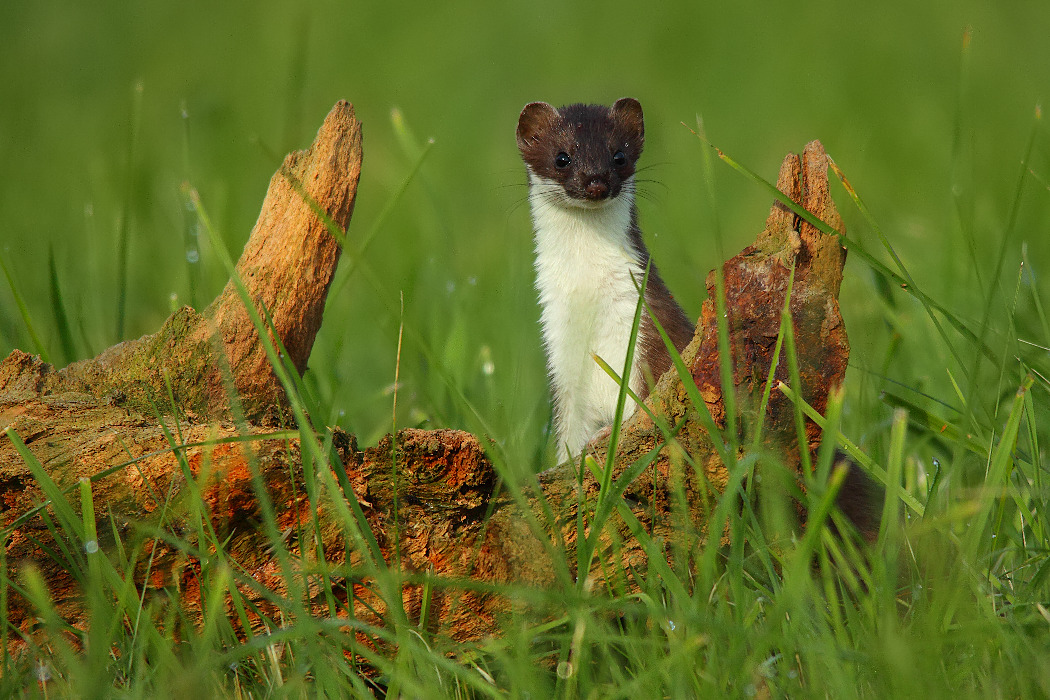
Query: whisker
[[516, 204], [648, 197], [651, 166]]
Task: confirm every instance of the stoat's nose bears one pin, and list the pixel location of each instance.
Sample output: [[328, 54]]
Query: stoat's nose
[[596, 188]]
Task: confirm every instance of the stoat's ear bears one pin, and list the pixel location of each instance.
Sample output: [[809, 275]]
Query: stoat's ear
[[628, 111], [536, 118]]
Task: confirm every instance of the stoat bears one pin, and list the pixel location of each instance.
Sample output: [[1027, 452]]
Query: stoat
[[590, 261]]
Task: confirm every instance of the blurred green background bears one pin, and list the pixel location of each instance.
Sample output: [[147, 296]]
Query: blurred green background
[[106, 109]]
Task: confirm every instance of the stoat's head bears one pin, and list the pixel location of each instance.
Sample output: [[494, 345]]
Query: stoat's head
[[581, 155]]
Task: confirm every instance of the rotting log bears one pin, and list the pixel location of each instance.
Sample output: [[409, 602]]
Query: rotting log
[[454, 523]]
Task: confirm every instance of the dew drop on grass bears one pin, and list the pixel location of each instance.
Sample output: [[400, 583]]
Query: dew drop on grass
[[91, 546], [193, 256], [488, 367]]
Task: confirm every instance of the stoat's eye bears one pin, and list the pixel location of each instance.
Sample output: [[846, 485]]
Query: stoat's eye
[[562, 160], [620, 159]]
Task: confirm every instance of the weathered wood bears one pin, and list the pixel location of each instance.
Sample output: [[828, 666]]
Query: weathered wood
[[442, 482], [287, 267], [115, 409]]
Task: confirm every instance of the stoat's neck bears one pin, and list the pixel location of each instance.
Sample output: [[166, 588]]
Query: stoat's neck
[[587, 271]]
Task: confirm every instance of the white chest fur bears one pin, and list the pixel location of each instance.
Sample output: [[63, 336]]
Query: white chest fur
[[584, 268]]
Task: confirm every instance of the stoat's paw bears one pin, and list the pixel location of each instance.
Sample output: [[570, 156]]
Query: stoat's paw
[[600, 436]]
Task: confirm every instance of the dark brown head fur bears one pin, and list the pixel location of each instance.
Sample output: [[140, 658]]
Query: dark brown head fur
[[590, 150]]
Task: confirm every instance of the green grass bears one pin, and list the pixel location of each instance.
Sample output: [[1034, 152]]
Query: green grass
[[929, 111]]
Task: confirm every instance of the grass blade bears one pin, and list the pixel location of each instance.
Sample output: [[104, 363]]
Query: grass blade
[[124, 234], [58, 307], [24, 311], [996, 483], [66, 516], [855, 452]]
